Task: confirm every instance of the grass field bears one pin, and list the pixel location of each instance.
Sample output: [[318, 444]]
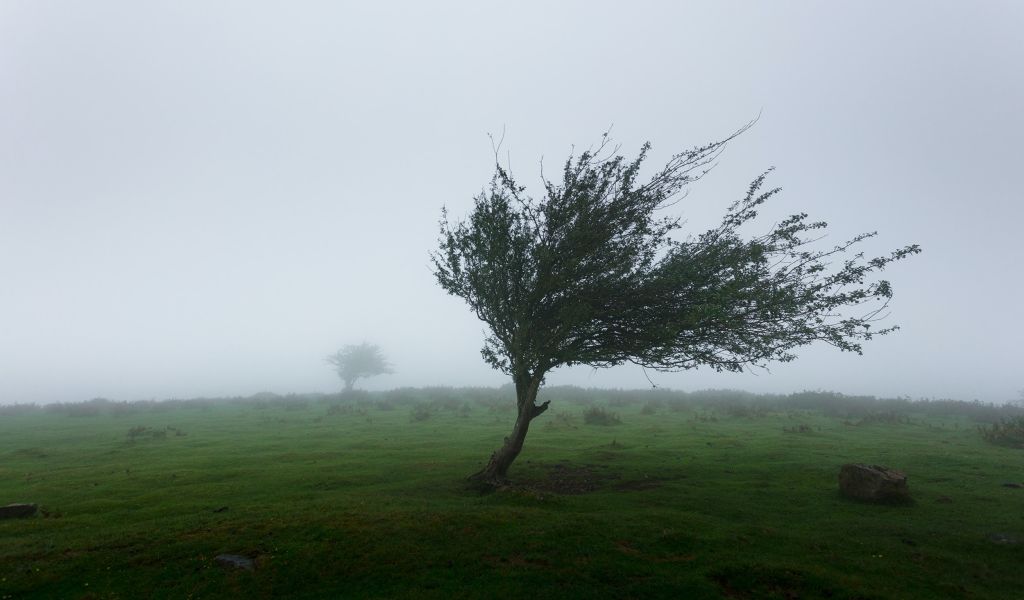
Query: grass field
[[687, 497]]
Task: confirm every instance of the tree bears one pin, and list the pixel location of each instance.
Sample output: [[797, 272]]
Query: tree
[[591, 274], [355, 361]]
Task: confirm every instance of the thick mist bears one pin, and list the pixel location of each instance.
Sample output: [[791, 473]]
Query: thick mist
[[207, 200]]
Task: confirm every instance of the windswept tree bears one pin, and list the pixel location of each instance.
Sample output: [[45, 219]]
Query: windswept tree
[[353, 362], [591, 274]]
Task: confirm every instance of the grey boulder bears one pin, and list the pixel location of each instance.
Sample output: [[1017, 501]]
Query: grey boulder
[[873, 483], [17, 511], [235, 561]]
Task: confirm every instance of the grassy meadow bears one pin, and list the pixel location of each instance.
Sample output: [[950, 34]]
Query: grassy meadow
[[653, 494]]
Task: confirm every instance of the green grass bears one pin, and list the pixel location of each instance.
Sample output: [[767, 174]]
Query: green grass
[[366, 502]]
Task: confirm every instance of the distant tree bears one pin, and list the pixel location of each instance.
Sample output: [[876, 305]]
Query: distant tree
[[590, 274], [353, 362]]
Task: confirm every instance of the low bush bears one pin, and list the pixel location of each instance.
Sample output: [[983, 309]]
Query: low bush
[[704, 417], [90, 408], [561, 420], [143, 432], [891, 418], [18, 409], [596, 415], [421, 412], [1008, 432]]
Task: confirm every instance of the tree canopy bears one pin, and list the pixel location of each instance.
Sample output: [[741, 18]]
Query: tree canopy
[[356, 361], [592, 274]]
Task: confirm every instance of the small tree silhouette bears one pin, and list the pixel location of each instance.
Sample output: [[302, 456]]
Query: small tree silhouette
[[355, 361]]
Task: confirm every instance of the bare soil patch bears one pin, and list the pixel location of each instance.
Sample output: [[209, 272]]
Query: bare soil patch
[[639, 485], [567, 478], [572, 479]]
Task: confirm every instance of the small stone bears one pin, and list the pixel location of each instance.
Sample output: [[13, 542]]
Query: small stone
[[17, 511], [1003, 539], [1015, 485], [235, 561], [220, 510], [873, 483]]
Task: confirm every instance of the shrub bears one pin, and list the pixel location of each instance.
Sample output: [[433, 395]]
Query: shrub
[[144, 432], [596, 415], [704, 417], [421, 412], [562, 420], [90, 408], [892, 418], [121, 409], [1008, 432], [18, 409], [400, 397]]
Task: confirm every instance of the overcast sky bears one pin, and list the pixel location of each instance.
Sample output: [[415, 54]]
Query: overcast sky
[[206, 198]]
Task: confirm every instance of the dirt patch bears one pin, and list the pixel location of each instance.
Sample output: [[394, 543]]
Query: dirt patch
[[639, 485], [515, 560], [567, 478]]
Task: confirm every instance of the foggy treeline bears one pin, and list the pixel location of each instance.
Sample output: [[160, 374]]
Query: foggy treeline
[[465, 399]]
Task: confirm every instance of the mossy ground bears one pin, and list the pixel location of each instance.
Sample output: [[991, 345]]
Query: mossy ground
[[366, 502]]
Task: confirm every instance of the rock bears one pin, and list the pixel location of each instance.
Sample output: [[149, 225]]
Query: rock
[[1013, 485], [17, 511], [873, 483], [1003, 539], [220, 510], [235, 561]]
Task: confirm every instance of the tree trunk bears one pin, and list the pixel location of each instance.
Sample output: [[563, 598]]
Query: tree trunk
[[496, 471]]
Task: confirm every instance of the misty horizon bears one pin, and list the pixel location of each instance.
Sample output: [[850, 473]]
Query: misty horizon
[[206, 201]]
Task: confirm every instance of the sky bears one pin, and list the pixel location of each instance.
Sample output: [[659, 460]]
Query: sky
[[206, 199]]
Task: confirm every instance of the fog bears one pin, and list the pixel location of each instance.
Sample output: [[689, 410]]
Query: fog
[[206, 199]]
